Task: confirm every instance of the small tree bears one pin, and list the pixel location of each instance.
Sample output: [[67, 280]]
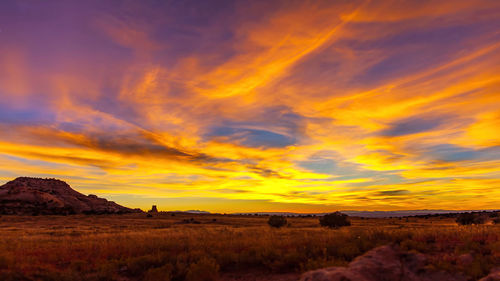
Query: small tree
[[334, 220], [277, 221], [469, 218]]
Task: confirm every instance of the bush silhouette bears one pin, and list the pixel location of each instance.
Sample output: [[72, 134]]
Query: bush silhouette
[[277, 221], [206, 269], [163, 273], [334, 220], [469, 218]]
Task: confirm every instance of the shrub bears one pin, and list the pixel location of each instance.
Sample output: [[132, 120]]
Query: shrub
[[334, 220], [206, 269], [138, 265], [469, 218], [12, 276], [163, 273], [4, 262], [277, 221], [191, 220], [496, 220]]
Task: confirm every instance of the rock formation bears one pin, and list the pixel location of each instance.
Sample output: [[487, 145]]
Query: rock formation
[[386, 263], [493, 276], [32, 196]]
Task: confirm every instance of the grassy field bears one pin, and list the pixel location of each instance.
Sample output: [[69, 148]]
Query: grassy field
[[218, 247]]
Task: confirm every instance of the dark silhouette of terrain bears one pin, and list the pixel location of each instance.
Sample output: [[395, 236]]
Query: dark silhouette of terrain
[[36, 196]]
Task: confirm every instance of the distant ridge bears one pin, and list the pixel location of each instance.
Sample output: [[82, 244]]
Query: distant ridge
[[369, 214], [196, 212], [191, 212], [32, 196], [386, 214]]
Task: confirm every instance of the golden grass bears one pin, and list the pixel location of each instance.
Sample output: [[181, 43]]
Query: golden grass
[[133, 247]]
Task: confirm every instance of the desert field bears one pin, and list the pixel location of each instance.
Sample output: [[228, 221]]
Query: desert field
[[181, 246]]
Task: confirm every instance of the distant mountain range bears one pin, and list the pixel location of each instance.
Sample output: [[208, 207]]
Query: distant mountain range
[[386, 214], [369, 214], [192, 212]]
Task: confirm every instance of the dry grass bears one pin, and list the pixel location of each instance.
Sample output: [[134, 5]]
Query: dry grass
[[165, 247]]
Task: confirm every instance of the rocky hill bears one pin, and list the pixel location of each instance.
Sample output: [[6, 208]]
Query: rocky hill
[[32, 196]]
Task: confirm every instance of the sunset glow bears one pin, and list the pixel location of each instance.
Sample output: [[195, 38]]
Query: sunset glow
[[232, 106]]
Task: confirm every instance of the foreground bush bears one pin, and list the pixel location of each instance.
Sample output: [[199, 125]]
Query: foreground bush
[[277, 221], [206, 269], [470, 218], [334, 220]]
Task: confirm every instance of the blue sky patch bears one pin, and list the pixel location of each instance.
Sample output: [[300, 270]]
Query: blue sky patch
[[253, 137]]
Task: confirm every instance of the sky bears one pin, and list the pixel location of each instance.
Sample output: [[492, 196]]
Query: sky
[[234, 106]]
